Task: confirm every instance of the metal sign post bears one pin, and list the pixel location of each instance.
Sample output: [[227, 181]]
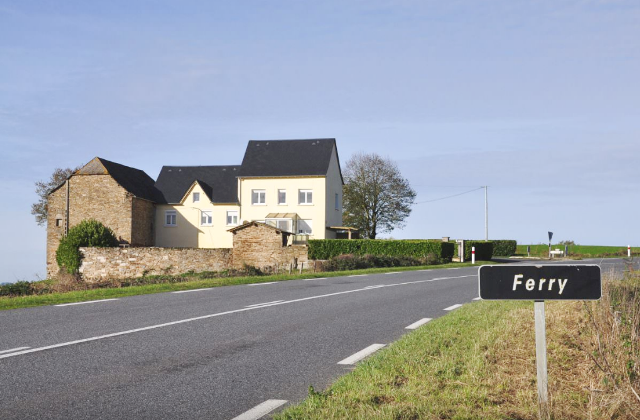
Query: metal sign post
[[539, 283]]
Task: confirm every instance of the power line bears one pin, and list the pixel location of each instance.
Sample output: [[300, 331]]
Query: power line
[[449, 196]]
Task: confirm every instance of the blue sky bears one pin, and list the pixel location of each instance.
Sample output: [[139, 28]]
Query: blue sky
[[539, 100]]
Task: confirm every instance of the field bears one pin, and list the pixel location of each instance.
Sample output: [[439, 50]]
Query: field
[[479, 363], [582, 251]]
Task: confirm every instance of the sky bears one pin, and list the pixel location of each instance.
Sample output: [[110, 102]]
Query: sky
[[539, 101]]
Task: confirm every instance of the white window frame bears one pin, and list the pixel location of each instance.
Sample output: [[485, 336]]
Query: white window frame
[[232, 213], [196, 197], [274, 222], [173, 213], [308, 222], [306, 201], [284, 203], [262, 193], [202, 215]]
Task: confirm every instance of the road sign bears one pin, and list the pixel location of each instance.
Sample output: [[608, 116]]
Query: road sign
[[540, 282], [550, 236]]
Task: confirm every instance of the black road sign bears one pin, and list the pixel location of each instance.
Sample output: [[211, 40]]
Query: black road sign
[[540, 282]]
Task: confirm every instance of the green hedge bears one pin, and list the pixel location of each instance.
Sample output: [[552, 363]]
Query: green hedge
[[324, 249], [484, 250], [504, 247]]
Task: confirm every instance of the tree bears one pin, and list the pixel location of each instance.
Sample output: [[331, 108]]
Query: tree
[[376, 196], [89, 232], [43, 189]]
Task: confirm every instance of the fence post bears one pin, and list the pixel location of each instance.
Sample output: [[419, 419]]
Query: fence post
[[629, 251]]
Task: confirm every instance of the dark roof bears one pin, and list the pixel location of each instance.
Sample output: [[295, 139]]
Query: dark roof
[[274, 158], [133, 180], [218, 182]]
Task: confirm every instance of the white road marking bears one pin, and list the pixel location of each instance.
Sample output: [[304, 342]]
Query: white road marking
[[418, 324], [452, 307], [261, 410], [357, 275], [377, 286], [193, 290], [355, 358], [12, 350], [478, 298], [84, 303], [319, 278], [263, 304], [198, 318], [262, 284], [394, 272]]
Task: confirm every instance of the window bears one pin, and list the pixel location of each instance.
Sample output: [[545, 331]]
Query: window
[[170, 218], [58, 222], [258, 197], [206, 218], [337, 202], [283, 224], [196, 197], [305, 227], [232, 217], [305, 197], [282, 197]]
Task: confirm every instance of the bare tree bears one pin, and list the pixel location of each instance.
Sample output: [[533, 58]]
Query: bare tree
[[376, 196], [43, 188]]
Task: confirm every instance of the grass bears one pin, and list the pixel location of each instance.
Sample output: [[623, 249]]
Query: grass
[[479, 363], [185, 282], [584, 251]]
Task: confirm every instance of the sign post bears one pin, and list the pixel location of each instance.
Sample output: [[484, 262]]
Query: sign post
[[550, 236], [539, 283]]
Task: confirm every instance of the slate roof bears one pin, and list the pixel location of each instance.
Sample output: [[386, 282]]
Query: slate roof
[[133, 180], [218, 182], [275, 158]]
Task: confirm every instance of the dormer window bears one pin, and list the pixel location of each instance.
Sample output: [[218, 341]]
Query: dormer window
[[196, 197]]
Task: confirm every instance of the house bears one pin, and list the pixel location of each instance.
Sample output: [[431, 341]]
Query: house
[[120, 197], [292, 185]]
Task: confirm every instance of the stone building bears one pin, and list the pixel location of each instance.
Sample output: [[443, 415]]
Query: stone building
[[118, 196]]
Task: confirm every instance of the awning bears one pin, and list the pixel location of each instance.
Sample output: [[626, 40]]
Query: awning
[[282, 216]]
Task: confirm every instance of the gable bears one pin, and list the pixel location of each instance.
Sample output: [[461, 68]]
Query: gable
[[219, 183]]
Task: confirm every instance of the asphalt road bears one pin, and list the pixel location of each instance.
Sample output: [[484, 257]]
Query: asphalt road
[[213, 353]]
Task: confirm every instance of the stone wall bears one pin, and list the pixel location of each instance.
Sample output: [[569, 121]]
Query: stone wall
[[98, 197], [122, 263], [255, 244], [263, 246]]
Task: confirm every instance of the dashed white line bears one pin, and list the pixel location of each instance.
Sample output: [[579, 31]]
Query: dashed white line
[[264, 304], [377, 286], [417, 324], [198, 318], [319, 278], [193, 290], [262, 284], [357, 275], [12, 350], [355, 358], [84, 303], [394, 272], [261, 410], [452, 307]]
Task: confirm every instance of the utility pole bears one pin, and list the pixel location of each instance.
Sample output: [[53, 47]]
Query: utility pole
[[486, 215]]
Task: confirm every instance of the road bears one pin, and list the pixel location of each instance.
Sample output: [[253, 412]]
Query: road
[[213, 353]]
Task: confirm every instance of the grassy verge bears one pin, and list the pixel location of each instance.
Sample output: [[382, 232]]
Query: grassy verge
[[583, 251], [187, 282], [479, 363]]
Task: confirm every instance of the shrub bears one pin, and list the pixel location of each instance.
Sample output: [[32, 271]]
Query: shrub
[[324, 249], [19, 288], [504, 247], [484, 250], [86, 233]]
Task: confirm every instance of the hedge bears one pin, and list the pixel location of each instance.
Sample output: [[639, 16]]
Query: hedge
[[88, 232], [324, 249], [484, 250], [504, 247]]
